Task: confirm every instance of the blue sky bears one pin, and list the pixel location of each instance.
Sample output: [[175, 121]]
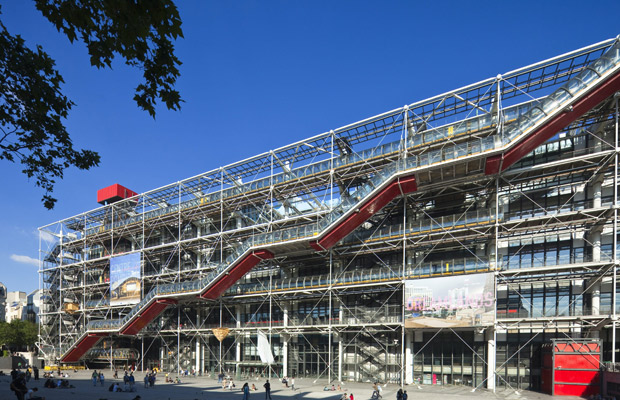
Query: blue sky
[[257, 75]]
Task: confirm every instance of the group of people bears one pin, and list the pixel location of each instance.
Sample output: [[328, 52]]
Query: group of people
[[246, 389], [401, 395], [149, 379], [129, 381], [97, 377], [285, 382], [19, 387]]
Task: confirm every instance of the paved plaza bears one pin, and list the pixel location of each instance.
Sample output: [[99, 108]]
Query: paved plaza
[[202, 388]]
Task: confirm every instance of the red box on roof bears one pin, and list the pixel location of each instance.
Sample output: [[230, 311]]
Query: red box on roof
[[114, 193]]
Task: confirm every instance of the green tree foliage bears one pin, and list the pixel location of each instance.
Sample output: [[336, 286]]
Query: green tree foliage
[[18, 334], [32, 106]]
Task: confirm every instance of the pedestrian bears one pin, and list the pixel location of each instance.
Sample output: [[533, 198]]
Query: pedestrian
[[351, 397], [146, 381], [101, 378], [267, 387], [246, 391], [18, 386], [115, 373], [94, 377], [293, 383], [36, 373], [399, 394], [405, 395]]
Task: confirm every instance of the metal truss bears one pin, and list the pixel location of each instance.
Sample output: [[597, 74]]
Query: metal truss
[[338, 314]]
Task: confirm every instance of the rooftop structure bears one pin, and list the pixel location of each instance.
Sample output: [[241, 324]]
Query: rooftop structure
[[495, 203]]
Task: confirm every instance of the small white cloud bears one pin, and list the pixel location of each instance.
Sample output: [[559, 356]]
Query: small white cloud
[[46, 236], [25, 260]]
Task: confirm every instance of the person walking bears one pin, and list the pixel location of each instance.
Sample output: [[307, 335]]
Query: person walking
[[36, 373], [18, 386], [267, 387], [405, 395], [101, 378], [246, 391], [293, 383], [399, 394], [94, 377]]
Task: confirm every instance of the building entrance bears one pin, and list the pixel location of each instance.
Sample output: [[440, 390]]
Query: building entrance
[[449, 358]]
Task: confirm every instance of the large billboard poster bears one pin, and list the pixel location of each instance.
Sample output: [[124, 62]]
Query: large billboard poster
[[449, 302], [125, 285]]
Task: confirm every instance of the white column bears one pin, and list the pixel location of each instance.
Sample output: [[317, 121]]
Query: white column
[[490, 359], [285, 339], [597, 193], [340, 357], [408, 357], [161, 357], [197, 368], [596, 287]]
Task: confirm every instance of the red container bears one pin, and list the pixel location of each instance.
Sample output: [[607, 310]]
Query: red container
[[113, 194], [571, 367]]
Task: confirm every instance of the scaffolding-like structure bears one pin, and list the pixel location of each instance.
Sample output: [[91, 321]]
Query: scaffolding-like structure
[[316, 244]]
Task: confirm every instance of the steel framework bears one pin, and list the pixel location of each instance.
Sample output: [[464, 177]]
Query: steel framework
[[313, 243]]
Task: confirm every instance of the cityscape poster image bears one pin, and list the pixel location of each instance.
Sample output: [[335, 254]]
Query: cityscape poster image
[[449, 302], [125, 285]]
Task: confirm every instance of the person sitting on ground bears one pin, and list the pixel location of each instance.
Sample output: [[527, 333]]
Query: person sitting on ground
[[49, 383], [344, 397], [116, 388], [231, 385], [64, 384], [253, 388], [31, 396], [177, 380]]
